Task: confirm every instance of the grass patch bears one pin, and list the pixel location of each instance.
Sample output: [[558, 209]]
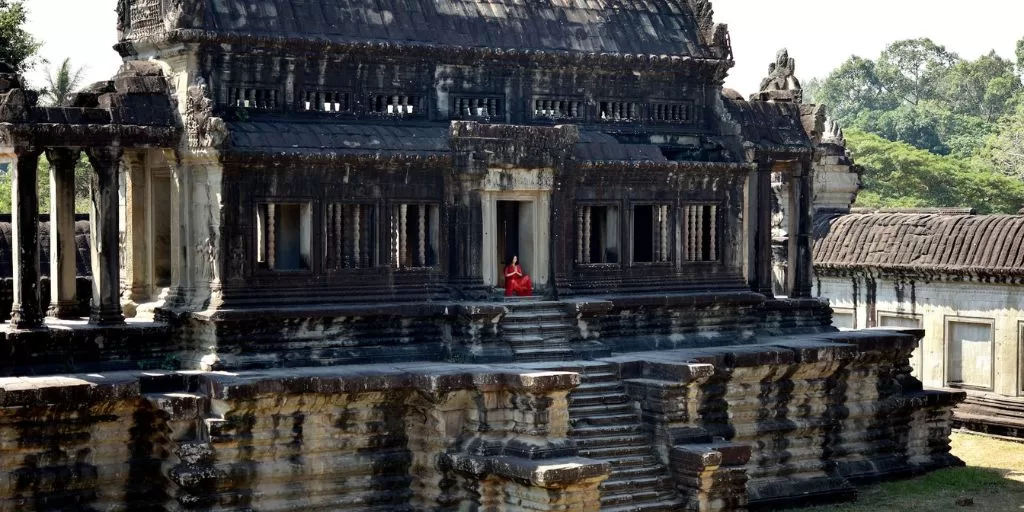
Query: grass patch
[[994, 480]]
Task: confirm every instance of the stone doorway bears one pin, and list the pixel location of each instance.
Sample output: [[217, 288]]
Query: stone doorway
[[515, 224], [513, 235]]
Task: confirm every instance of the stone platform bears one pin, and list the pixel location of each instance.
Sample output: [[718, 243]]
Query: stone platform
[[777, 422]]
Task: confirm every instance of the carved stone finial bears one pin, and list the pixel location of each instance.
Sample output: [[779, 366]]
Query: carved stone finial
[[833, 133], [204, 130], [781, 83]]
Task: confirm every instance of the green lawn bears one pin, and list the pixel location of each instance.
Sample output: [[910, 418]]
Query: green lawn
[[993, 479]]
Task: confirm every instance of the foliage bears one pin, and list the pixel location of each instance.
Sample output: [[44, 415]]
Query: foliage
[[82, 179], [60, 84], [919, 93], [897, 174], [1005, 149], [17, 47]]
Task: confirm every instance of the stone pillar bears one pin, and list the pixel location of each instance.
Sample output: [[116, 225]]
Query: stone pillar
[[763, 232], [136, 229], [800, 256], [103, 216], [26, 311], [63, 271]]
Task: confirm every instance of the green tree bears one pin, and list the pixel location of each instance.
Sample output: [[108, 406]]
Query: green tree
[[854, 87], [1005, 149], [17, 47], [82, 180], [61, 83], [1020, 56], [982, 87], [897, 174], [912, 69]]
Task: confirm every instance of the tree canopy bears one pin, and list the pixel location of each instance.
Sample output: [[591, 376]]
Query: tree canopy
[[931, 128], [17, 47]]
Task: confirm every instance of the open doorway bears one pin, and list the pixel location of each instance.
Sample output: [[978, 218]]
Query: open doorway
[[514, 236]]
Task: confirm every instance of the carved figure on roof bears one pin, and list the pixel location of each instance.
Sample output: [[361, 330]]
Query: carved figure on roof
[[781, 78], [833, 133]]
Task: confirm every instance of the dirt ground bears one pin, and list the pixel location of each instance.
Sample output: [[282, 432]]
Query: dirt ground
[[993, 480]]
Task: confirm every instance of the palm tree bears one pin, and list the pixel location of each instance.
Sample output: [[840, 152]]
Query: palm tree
[[61, 84]]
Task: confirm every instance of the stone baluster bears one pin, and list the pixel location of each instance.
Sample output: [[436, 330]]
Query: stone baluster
[[63, 271], [579, 235], [365, 235], [713, 235], [271, 237], [586, 233], [422, 249], [403, 241], [663, 220], [356, 263], [26, 310], [106, 265]]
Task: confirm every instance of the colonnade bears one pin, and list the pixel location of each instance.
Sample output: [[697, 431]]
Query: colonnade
[[27, 311]]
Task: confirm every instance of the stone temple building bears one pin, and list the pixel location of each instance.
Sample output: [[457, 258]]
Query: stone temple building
[[301, 215], [957, 275]]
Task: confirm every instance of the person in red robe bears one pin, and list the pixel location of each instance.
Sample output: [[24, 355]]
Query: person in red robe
[[516, 282]]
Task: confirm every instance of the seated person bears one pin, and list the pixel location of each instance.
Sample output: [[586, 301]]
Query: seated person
[[516, 282]]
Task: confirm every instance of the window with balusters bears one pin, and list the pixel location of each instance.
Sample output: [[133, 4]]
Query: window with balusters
[[558, 109], [618, 111], [283, 236], [478, 107], [652, 233], [323, 101], [700, 232], [351, 236], [254, 98], [665, 112], [415, 235], [597, 234], [394, 104]]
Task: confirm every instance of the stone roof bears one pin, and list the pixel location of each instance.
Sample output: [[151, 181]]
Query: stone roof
[[922, 244], [357, 139], [659, 27], [769, 125], [82, 256]]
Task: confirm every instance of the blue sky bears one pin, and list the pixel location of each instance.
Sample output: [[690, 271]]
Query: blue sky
[[819, 34]]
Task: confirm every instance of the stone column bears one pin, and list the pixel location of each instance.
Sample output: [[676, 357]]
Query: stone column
[[136, 229], [26, 311], [763, 232], [103, 216], [63, 271], [800, 264]]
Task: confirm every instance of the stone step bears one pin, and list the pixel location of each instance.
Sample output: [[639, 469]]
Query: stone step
[[589, 388], [640, 471], [583, 412], [636, 499], [549, 328], [633, 462], [605, 430], [619, 485], [625, 418], [586, 443], [669, 505], [613, 452], [591, 399], [542, 354]]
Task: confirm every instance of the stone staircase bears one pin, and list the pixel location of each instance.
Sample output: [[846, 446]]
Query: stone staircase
[[537, 330], [606, 427]]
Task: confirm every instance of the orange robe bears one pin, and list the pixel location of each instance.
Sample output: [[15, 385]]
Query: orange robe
[[516, 282]]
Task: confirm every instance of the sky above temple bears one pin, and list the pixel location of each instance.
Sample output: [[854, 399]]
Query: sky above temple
[[820, 34]]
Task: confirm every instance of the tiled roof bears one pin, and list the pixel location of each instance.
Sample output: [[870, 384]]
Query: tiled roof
[[985, 245], [613, 26], [420, 139], [769, 124], [344, 138]]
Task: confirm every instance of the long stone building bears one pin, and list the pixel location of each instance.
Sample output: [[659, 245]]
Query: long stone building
[[956, 275], [301, 215]]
